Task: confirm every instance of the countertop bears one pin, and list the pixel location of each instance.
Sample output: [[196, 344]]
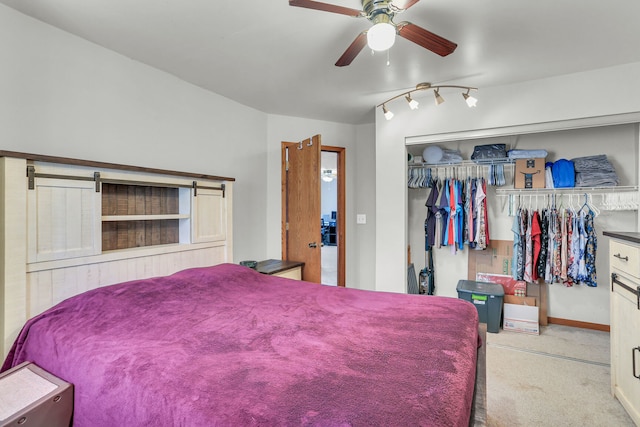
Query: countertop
[[628, 236], [272, 266]]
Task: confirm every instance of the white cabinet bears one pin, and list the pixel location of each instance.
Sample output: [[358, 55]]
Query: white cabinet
[[625, 323]]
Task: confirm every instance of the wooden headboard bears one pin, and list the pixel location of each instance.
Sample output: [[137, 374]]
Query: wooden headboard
[[69, 225]]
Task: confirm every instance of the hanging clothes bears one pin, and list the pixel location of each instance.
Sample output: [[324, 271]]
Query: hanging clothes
[[536, 233], [487, 239], [441, 214], [457, 214], [590, 250], [568, 280], [430, 221], [544, 244], [574, 249], [481, 211], [515, 227], [460, 218], [558, 246], [528, 253]]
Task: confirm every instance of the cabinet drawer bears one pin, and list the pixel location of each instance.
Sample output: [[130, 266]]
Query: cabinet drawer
[[625, 258]]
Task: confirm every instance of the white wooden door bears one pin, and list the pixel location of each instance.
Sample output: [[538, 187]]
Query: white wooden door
[[209, 216], [64, 220]]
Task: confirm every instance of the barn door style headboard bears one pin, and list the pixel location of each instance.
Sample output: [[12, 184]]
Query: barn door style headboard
[[67, 226]]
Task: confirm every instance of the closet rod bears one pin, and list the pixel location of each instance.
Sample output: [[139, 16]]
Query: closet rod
[[464, 163], [569, 190]]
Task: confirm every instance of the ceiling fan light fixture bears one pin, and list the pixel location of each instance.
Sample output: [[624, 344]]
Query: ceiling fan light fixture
[[327, 175], [439, 99], [413, 104], [387, 114], [470, 100], [381, 36]]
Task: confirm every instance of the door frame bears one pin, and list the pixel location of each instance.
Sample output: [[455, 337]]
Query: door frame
[[341, 213]]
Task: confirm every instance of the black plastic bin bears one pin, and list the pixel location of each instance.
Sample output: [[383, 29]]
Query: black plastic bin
[[487, 298]]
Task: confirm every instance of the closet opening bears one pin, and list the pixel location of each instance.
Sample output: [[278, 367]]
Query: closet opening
[[329, 185]]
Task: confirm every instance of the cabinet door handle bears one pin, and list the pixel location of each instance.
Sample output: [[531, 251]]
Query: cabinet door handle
[[633, 361], [623, 258]]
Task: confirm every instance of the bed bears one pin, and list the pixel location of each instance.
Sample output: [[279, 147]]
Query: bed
[[225, 345]]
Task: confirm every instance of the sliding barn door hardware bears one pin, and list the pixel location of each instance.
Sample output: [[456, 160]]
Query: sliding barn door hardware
[[32, 175]]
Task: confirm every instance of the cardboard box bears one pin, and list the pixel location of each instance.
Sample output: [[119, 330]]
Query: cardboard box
[[529, 173], [511, 286], [497, 259], [521, 318], [513, 299], [539, 291]]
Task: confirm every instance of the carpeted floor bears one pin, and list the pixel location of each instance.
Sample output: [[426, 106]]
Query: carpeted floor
[[559, 378]]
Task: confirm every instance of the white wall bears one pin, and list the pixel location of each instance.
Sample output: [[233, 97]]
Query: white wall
[[561, 102], [63, 96]]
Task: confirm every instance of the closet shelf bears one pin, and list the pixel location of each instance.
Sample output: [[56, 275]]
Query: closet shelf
[[143, 217], [464, 163], [572, 190]]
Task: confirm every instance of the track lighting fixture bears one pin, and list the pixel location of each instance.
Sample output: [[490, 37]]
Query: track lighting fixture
[[413, 104]]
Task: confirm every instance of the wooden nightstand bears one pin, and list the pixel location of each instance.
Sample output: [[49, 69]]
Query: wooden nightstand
[[31, 396], [276, 267]]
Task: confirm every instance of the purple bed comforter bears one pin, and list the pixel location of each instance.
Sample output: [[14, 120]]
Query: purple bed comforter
[[227, 346]]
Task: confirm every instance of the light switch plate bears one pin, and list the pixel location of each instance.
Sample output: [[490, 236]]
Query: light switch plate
[[361, 219]]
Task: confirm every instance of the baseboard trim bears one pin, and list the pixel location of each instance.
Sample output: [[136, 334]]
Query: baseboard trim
[[579, 324]]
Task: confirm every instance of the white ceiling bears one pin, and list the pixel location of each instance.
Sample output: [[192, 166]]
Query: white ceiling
[[279, 59]]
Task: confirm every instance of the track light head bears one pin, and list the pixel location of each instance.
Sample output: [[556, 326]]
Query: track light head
[[413, 104], [439, 99], [470, 100], [387, 114]]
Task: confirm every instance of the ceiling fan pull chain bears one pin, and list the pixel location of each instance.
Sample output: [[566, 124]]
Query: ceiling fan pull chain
[[388, 57]]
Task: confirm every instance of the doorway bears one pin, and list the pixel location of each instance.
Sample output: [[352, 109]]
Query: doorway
[[333, 216], [329, 213], [304, 229]]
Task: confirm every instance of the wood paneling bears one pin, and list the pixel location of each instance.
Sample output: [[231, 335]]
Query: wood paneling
[[121, 199], [49, 287]]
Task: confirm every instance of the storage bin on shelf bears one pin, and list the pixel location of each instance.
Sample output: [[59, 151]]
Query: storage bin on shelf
[[487, 298]]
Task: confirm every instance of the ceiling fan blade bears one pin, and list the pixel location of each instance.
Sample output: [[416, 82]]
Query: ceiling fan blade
[[426, 39], [404, 4], [310, 4], [353, 50]]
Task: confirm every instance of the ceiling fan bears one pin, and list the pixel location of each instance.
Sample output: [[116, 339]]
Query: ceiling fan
[[382, 34]]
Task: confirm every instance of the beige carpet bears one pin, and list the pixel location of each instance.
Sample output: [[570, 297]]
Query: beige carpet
[[559, 378]]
